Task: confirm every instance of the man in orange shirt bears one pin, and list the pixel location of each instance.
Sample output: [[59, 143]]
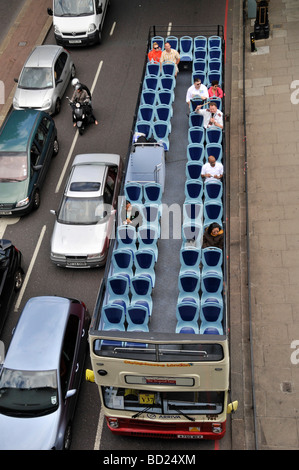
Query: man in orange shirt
[[155, 54]]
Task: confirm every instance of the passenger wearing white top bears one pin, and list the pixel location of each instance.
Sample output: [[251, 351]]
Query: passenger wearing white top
[[212, 169], [197, 90], [211, 116]]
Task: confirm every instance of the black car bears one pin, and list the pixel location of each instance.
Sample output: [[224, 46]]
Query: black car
[[11, 276]]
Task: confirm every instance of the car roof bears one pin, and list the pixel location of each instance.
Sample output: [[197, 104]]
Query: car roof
[[43, 56], [88, 173], [16, 130], [37, 339]]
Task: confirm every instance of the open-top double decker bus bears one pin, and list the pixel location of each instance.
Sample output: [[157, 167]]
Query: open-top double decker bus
[[159, 341]]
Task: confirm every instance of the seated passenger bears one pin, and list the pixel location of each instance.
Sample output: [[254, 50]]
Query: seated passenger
[[213, 236]]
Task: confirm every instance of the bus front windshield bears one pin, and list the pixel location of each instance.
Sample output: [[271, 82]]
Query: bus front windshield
[[181, 403], [73, 7]]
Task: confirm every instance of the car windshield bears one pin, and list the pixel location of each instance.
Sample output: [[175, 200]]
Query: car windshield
[[36, 78], [13, 167], [28, 392], [82, 211], [73, 7]]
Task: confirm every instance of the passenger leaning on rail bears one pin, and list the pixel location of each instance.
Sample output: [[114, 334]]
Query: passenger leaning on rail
[[211, 116], [213, 236]]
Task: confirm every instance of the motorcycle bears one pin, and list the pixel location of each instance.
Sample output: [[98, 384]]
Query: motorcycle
[[82, 114]]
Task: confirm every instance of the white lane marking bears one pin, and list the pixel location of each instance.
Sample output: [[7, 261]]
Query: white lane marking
[[98, 438], [76, 135], [113, 28], [169, 29], [5, 222], [41, 236]]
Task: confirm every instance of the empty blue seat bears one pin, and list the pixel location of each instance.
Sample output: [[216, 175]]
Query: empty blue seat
[[152, 193], [126, 237], [113, 317], [200, 42], [151, 216], [173, 41], [195, 119], [144, 127], [165, 97], [148, 97], [192, 234], [161, 133], [211, 283], [214, 65], [145, 112], [211, 312], [215, 54], [145, 264], [215, 150], [153, 69], [151, 82], [148, 238], [189, 285], [214, 42], [199, 65], [200, 53], [187, 314], [193, 211], [167, 82], [186, 48], [195, 152], [163, 112], [193, 170], [212, 212], [196, 135], [141, 290], [137, 318], [134, 192], [213, 190], [190, 259], [213, 135], [193, 191], [122, 261], [211, 76], [210, 329], [118, 290]]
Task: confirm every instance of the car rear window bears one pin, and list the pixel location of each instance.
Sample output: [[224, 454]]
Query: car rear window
[[85, 186]]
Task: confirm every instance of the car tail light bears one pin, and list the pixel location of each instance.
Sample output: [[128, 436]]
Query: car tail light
[[113, 422]]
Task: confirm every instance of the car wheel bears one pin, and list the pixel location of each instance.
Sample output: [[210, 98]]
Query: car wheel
[[57, 106], [67, 440], [73, 72], [36, 200], [55, 147], [18, 280]]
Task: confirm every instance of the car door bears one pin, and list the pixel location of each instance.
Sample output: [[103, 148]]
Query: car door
[[110, 201], [60, 74]]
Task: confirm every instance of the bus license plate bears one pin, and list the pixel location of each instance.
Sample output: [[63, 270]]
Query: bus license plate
[[189, 436]]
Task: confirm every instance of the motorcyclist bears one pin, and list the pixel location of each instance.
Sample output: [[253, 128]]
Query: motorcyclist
[[75, 81], [80, 95]]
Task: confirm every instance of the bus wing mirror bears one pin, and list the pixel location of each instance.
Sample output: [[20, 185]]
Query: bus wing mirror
[[89, 375], [232, 407]]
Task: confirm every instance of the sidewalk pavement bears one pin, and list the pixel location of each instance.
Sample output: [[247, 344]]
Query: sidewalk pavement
[[29, 29], [272, 137]]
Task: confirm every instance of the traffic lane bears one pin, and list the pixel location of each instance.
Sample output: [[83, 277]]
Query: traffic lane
[[9, 10]]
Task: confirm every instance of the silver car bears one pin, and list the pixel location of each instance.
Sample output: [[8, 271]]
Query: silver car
[[41, 374], [86, 217], [44, 79]]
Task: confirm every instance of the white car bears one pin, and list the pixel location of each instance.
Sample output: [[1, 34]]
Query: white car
[[44, 79], [86, 217]]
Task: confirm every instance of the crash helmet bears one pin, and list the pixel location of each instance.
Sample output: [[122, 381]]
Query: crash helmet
[[78, 86], [75, 81]]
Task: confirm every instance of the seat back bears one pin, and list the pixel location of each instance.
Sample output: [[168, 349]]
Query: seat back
[[193, 211], [134, 192], [137, 318], [145, 112], [145, 127], [215, 150], [193, 170], [152, 193], [168, 68], [165, 97], [148, 97], [212, 212], [213, 190], [211, 283], [152, 68], [187, 311], [122, 261], [195, 152], [186, 48], [113, 317], [126, 237], [190, 258], [214, 42], [195, 119], [151, 82], [173, 41], [213, 135], [167, 82], [196, 135], [200, 42], [163, 112], [159, 40], [193, 190], [199, 65]]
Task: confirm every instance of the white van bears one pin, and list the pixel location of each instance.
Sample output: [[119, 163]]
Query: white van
[[78, 23]]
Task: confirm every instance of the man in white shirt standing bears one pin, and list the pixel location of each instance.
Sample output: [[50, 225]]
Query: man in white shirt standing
[[212, 169], [211, 116], [197, 90]]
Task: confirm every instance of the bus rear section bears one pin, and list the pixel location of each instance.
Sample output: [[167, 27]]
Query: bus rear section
[[166, 390]]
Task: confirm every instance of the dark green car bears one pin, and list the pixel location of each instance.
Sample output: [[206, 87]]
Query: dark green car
[[28, 140]]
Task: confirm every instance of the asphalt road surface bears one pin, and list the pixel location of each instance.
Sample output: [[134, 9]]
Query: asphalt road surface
[[115, 68]]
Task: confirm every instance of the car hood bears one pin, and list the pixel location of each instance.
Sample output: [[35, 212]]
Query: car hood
[[11, 193], [36, 433], [32, 98], [68, 25], [78, 240]]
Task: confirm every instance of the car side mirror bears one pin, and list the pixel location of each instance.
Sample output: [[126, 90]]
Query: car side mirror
[[16, 80], [50, 11], [53, 212], [100, 9], [58, 81], [70, 393]]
